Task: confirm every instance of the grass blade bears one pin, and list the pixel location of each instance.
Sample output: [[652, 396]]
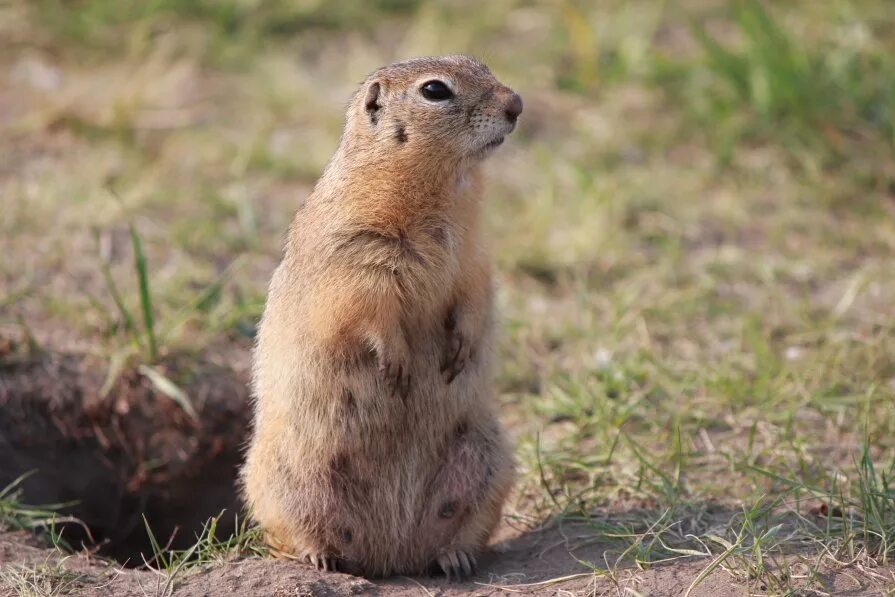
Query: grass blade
[[126, 317], [145, 298], [169, 389]]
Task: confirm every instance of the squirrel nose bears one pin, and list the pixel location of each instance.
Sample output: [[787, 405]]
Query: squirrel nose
[[514, 107]]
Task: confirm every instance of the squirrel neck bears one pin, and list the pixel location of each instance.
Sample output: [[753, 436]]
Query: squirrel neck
[[393, 189]]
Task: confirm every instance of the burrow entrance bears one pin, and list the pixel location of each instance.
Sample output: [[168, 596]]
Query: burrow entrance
[[111, 458]]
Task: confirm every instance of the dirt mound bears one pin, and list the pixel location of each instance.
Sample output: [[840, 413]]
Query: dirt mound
[[113, 456]]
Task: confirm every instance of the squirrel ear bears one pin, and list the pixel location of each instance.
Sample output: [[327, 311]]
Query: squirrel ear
[[371, 101]]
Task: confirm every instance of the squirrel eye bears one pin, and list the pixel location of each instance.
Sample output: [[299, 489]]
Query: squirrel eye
[[436, 91]]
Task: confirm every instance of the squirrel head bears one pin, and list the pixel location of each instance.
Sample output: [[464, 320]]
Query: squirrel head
[[447, 108]]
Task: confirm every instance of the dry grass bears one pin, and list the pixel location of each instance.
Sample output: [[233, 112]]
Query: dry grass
[[695, 228], [43, 580]]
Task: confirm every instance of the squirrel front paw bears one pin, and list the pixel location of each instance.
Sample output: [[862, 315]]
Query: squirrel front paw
[[458, 347], [396, 376], [393, 361]]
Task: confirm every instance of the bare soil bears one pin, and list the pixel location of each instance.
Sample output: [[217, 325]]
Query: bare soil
[[525, 564]]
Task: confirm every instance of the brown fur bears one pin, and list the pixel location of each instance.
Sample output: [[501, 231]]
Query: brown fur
[[376, 445]]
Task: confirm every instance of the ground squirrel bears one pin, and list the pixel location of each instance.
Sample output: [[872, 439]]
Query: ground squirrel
[[376, 447]]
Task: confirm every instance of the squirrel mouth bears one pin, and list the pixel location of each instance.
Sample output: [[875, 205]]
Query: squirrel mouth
[[493, 144], [485, 149]]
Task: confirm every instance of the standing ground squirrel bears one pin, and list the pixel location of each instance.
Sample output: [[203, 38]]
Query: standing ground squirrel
[[376, 446]]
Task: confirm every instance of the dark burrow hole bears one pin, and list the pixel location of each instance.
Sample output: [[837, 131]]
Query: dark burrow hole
[[112, 522], [131, 454]]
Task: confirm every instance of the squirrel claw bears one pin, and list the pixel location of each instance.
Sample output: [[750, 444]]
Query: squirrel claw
[[397, 377], [322, 561], [457, 564], [457, 355]]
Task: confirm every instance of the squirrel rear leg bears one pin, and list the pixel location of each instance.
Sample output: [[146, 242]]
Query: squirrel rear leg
[[466, 498]]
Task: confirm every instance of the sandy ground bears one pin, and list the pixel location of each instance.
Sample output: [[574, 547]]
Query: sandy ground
[[533, 563], [524, 565]]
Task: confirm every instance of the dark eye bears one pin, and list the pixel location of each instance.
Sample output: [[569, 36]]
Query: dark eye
[[436, 91]]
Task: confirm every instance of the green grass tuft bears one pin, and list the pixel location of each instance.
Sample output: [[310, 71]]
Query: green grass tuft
[[209, 549], [15, 515]]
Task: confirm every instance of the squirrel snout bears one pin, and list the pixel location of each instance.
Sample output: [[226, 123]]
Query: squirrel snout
[[513, 107]]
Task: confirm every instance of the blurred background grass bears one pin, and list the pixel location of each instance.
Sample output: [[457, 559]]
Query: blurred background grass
[[694, 223]]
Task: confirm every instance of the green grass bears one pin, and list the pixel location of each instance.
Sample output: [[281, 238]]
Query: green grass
[[208, 550], [694, 228], [235, 30], [823, 100], [18, 516], [53, 577], [50, 577]]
